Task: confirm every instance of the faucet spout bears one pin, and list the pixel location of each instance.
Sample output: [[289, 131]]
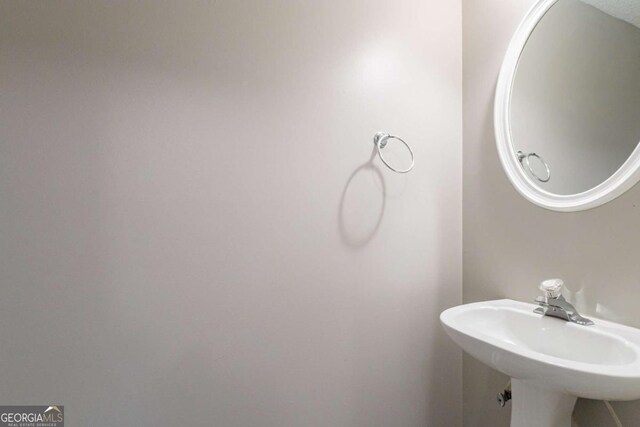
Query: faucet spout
[[558, 306]]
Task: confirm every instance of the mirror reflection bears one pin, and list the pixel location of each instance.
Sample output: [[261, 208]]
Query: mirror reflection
[[575, 105]]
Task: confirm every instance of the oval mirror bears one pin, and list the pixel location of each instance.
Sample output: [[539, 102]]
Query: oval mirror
[[567, 108]]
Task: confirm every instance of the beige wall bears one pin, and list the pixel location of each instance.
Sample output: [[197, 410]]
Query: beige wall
[[190, 230], [510, 245]]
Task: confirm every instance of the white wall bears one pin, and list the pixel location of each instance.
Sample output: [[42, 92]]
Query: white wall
[[191, 232], [510, 245]]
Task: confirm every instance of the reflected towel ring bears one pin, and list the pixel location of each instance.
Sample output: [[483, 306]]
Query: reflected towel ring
[[380, 140], [524, 159]]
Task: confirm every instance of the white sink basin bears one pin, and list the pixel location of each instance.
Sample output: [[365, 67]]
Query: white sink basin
[[551, 361]]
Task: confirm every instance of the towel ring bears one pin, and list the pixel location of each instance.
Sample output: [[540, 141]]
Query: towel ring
[[380, 140], [524, 160]]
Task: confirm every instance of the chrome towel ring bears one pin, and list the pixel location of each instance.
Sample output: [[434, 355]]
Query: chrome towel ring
[[524, 160], [380, 140]]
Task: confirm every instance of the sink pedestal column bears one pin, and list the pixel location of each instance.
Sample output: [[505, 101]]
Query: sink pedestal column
[[534, 406]]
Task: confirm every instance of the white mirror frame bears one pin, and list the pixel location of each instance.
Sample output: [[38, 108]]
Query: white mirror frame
[[622, 180]]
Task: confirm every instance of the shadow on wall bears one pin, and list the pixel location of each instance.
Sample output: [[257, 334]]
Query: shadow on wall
[[362, 205]]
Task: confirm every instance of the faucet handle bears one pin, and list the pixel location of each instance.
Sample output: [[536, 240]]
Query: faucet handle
[[552, 288]]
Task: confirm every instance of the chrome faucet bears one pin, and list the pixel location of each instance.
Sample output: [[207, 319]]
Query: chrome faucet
[[552, 303]]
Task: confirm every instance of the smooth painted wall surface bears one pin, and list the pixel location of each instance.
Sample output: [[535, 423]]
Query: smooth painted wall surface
[[192, 230], [510, 245]]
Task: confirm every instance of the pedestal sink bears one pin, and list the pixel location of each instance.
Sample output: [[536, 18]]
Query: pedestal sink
[[551, 362]]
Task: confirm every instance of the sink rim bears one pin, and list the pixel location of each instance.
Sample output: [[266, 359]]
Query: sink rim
[[622, 333]]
